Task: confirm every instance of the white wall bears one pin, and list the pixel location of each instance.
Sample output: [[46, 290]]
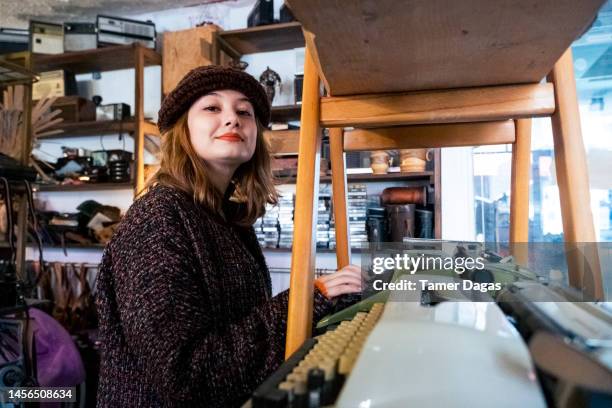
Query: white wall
[[458, 194]]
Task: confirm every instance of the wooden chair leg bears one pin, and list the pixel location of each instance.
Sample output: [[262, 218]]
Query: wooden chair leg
[[139, 116], [519, 190], [299, 321], [573, 181], [336, 147]]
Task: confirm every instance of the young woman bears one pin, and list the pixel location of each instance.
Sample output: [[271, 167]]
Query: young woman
[[183, 292]]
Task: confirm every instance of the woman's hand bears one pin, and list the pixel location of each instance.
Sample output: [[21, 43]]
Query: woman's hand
[[343, 281]]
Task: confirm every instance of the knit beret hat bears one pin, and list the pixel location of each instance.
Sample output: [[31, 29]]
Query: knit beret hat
[[202, 80]]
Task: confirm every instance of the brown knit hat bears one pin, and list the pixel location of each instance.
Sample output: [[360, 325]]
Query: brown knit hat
[[202, 80]]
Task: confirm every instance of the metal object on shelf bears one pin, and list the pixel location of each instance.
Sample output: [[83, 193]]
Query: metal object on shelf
[[238, 64], [56, 83], [404, 195], [46, 38], [75, 109], [400, 219], [123, 31], [113, 111], [270, 81], [14, 40], [80, 36]]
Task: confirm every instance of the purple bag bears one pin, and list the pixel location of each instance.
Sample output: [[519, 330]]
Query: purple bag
[[58, 362]]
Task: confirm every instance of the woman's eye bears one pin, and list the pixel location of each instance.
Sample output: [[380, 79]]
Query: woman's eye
[[212, 108], [244, 113]]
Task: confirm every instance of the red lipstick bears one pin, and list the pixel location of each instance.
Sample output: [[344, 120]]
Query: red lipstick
[[230, 137]]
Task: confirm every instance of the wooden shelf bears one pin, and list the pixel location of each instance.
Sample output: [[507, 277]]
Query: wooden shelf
[[13, 74], [78, 129], [368, 177], [274, 37], [29, 303], [70, 246], [85, 187], [286, 113], [319, 250], [283, 142], [96, 60]]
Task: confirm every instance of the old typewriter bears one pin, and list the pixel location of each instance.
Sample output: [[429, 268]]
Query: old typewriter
[[434, 348]]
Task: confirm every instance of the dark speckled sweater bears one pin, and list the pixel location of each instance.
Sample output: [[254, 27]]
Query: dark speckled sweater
[[186, 313]]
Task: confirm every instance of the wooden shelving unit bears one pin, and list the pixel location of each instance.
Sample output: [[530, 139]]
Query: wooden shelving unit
[[16, 69], [135, 57], [78, 129], [319, 250], [283, 142], [367, 177], [97, 60], [286, 113], [85, 187], [100, 128], [274, 37], [70, 246]]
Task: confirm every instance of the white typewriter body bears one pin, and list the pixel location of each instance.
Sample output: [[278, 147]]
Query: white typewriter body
[[452, 354]]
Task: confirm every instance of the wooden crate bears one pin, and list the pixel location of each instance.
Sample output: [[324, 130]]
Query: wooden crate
[[75, 109], [185, 50]]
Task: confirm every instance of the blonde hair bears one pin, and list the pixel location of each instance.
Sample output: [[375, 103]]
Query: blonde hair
[[182, 168]]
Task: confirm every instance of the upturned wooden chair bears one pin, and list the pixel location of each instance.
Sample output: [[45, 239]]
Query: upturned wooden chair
[[438, 73]]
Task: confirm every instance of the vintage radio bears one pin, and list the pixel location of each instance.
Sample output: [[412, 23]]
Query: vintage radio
[[262, 13], [46, 38], [13, 40], [54, 84], [80, 36], [113, 111], [75, 109], [112, 165], [119, 164], [122, 31]]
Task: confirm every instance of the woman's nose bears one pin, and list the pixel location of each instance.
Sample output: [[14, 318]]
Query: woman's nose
[[232, 120]]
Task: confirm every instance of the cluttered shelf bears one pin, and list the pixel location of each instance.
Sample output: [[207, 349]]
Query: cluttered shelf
[[89, 128], [23, 306], [31, 244], [96, 60], [286, 113], [273, 37], [85, 186], [102, 246], [71, 246], [422, 175], [319, 250]]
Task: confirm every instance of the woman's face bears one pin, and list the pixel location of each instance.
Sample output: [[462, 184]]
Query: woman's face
[[222, 128]]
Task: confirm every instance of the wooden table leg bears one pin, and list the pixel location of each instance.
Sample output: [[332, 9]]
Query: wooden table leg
[[299, 321], [519, 194], [336, 147], [573, 181]]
